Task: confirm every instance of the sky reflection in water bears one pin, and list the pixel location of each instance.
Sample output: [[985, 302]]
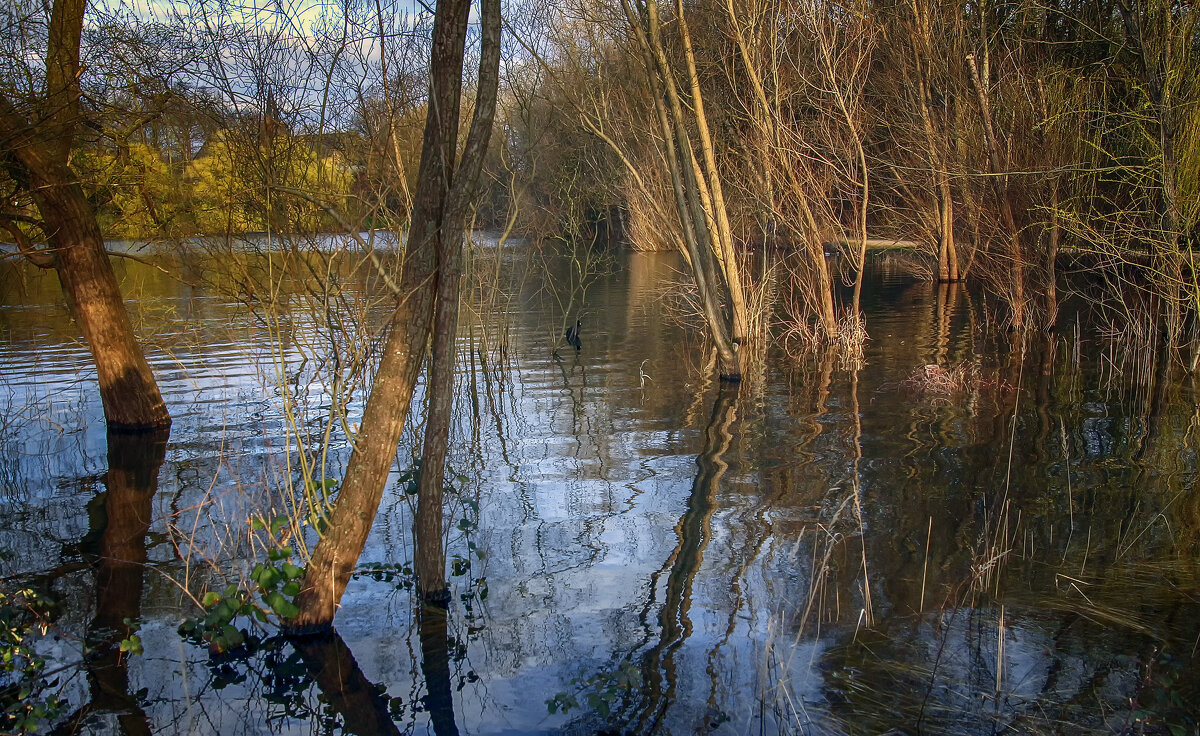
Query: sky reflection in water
[[647, 554]]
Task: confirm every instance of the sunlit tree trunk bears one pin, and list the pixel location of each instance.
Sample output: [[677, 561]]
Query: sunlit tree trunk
[[37, 146], [843, 50], [437, 215], [724, 245], [769, 120], [922, 48], [687, 179]]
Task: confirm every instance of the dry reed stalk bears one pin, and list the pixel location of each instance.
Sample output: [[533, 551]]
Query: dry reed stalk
[[941, 382]]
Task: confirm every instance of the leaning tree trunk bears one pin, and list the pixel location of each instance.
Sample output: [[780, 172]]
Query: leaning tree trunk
[[127, 388], [37, 146], [693, 201], [435, 218], [727, 257]]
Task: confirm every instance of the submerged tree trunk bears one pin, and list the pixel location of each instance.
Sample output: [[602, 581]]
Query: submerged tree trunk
[[438, 215], [724, 245], [430, 561], [36, 155], [922, 51], [948, 270]]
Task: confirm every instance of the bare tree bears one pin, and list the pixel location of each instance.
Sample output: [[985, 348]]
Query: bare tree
[[711, 258]]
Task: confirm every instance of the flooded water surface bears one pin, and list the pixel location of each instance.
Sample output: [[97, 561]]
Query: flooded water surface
[[957, 533]]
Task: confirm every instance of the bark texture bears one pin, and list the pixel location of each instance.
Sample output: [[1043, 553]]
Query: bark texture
[[36, 155], [709, 254], [430, 558], [435, 230]]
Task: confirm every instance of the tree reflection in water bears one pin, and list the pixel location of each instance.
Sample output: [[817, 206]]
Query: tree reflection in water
[[316, 679], [641, 688], [120, 520]]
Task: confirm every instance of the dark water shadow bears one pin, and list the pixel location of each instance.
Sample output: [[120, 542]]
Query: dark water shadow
[[435, 666], [364, 707], [120, 520], [317, 679], [330, 664]]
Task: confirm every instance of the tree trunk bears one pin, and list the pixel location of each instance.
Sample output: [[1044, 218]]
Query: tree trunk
[[36, 157], [922, 51], [999, 167], [947, 249], [1162, 40], [430, 560], [1054, 236], [438, 191], [739, 318], [685, 179], [127, 388]]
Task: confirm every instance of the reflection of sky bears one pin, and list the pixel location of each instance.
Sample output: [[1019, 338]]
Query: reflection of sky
[[580, 497]]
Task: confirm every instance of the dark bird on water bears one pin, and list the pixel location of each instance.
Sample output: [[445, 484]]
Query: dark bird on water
[[573, 335]]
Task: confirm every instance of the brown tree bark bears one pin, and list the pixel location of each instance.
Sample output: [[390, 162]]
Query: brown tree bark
[[727, 257], [430, 559], [686, 178], [923, 50], [335, 556], [36, 156], [999, 167]]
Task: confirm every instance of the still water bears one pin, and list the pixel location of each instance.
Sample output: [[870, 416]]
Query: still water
[[953, 535]]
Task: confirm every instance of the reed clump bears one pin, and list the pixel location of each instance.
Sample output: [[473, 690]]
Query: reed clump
[[936, 380]]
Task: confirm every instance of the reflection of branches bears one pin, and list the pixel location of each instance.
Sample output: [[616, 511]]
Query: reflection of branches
[[648, 687], [694, 531], [332, 666]]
